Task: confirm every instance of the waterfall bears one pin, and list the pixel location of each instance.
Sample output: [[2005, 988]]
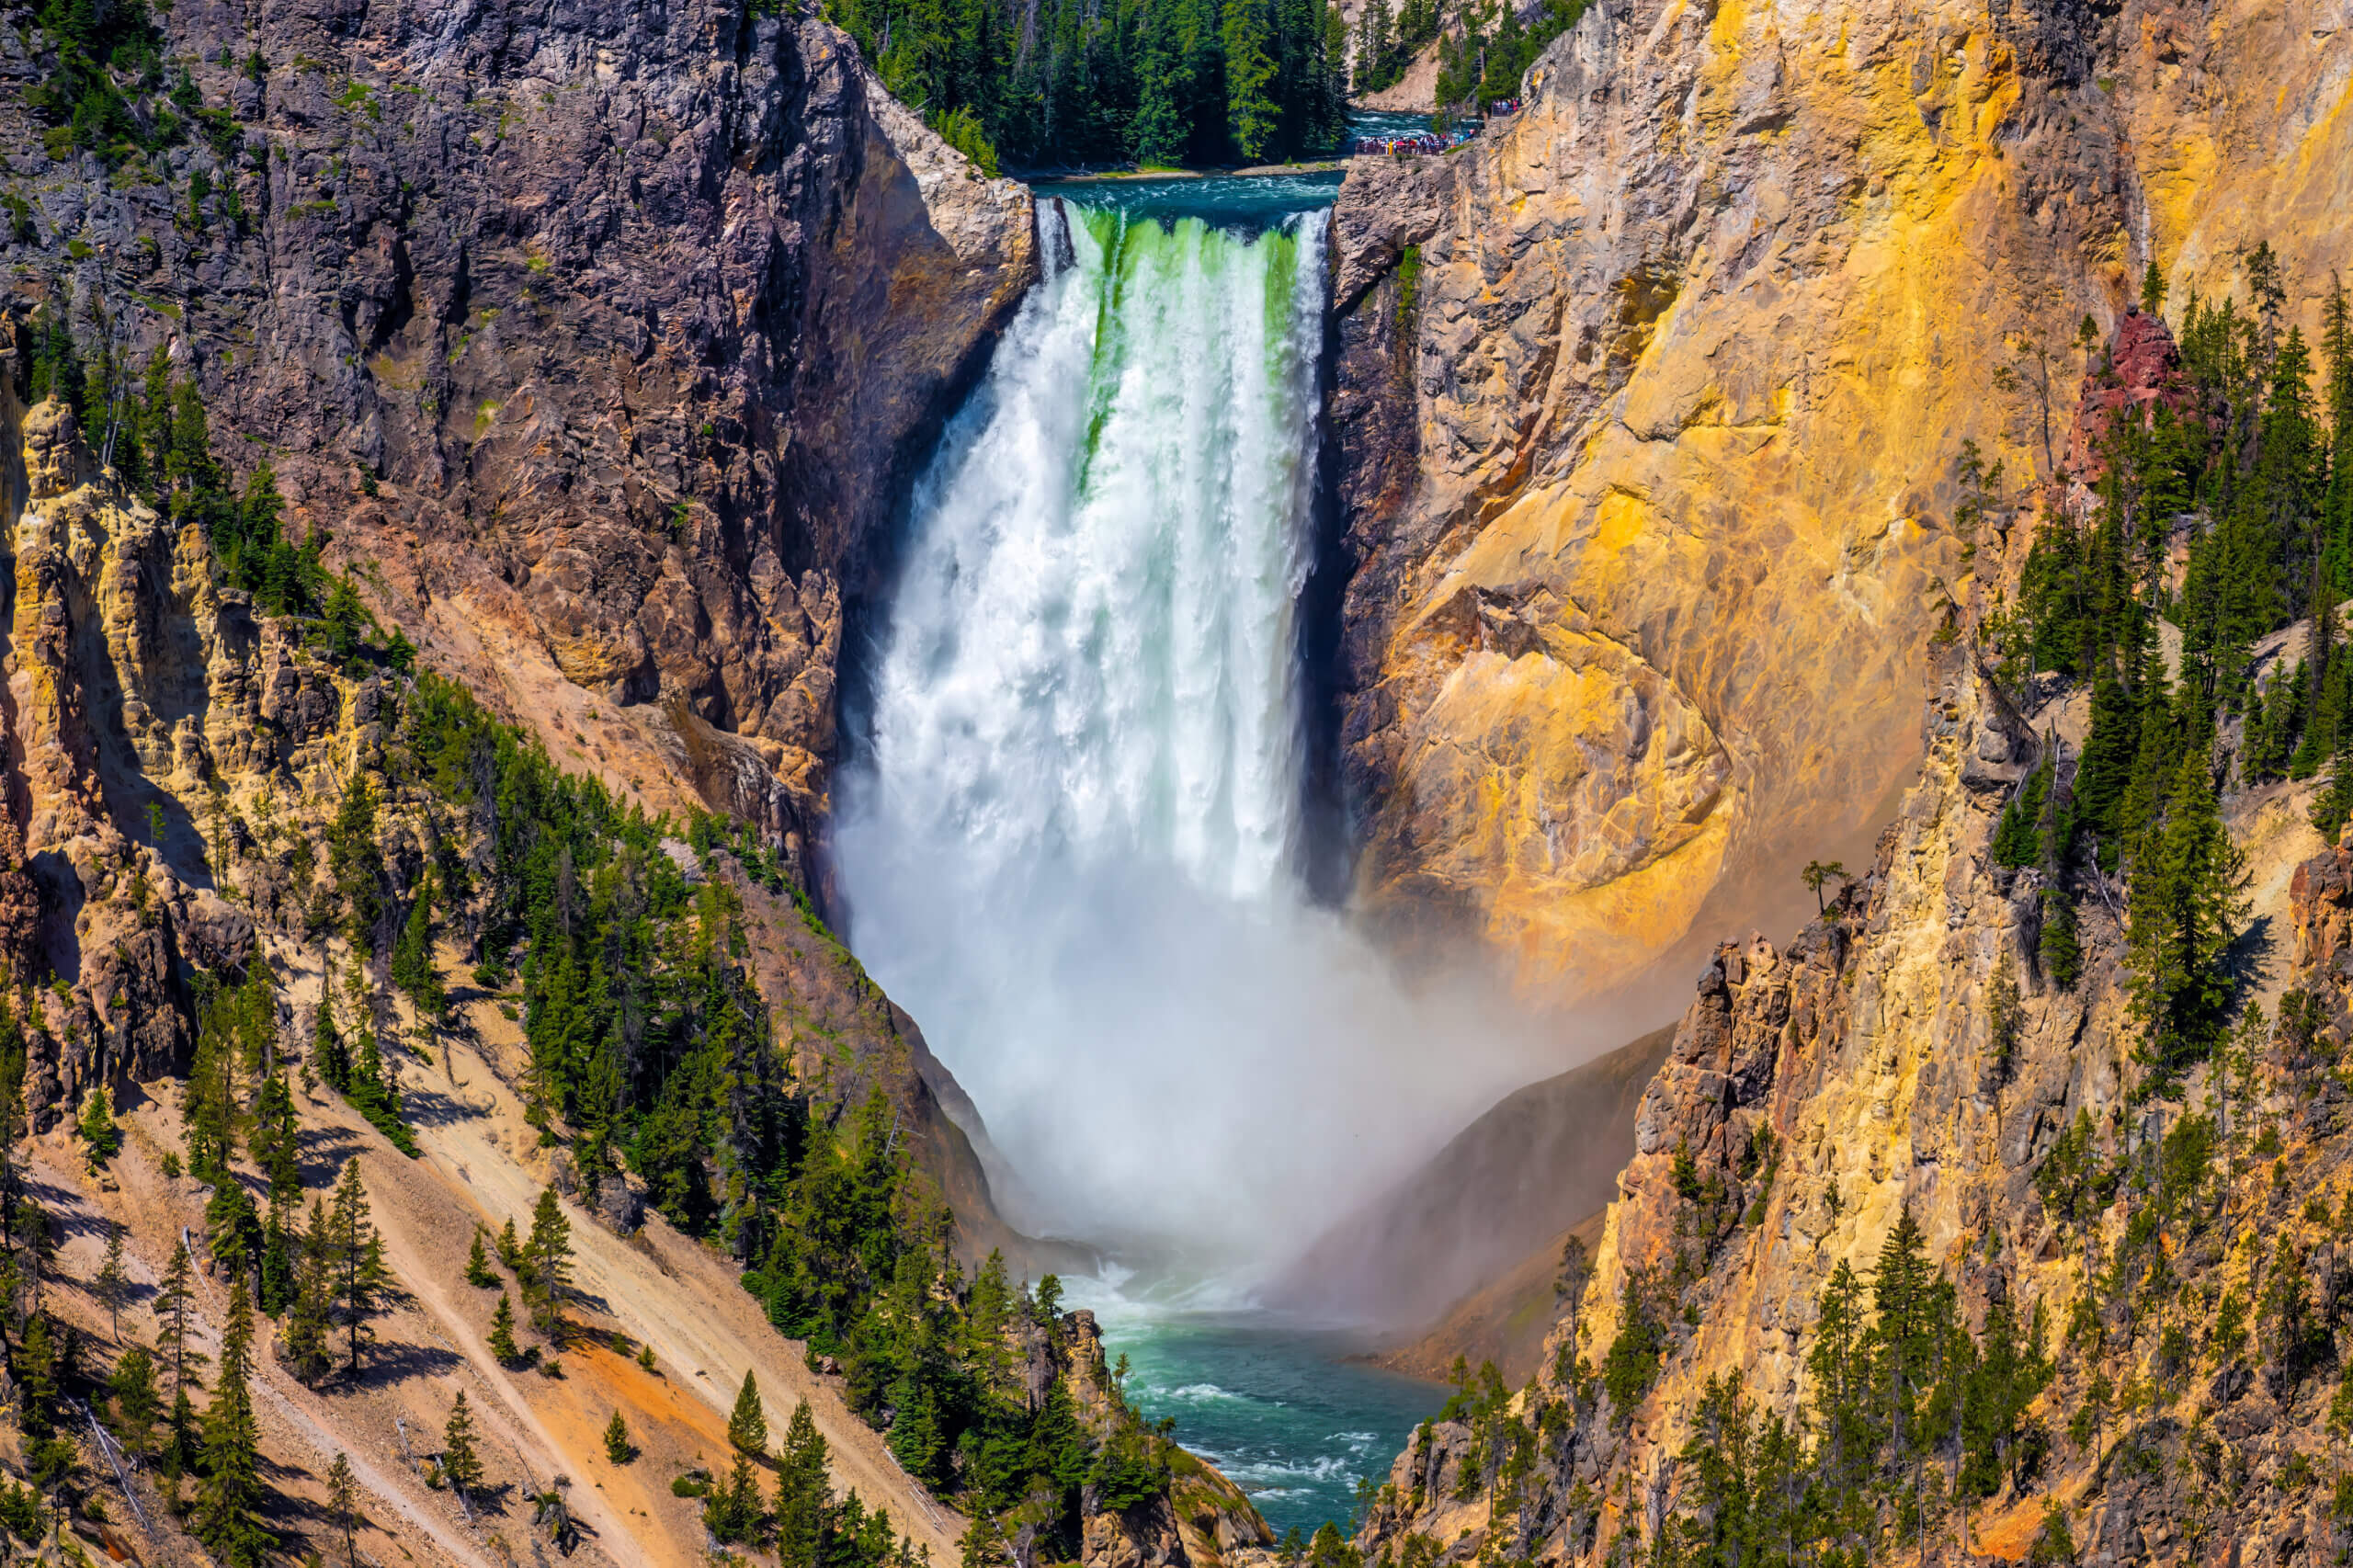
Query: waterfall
[[1071, 844]]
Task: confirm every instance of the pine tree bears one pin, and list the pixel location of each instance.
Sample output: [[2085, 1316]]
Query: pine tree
[[111, 1283], [547, 1260], [1377, 66], [801, 1493], [180, 1440], [371, 1087], [233, 1228], [343, 1506], [209, 1105], [2152, 289], [333, 1054], [358, 1259], [353, 856], [136, 1401], [618, 1447], [461, 1465], [2185, 911], [413, 970], [173, 1296], [1156, 135], [502, 1331], [310, 1323], [2336, 397], [2018, 839], [478, 1270], [510, 1250], [100, 1134], [227, 1517], [1251, 117], [2105, 769], [915, 1440], [2290, 470], [277, 1282], [276, 1140], [1333, 124], [747, 1426], [35, 1368], [2061, 951]]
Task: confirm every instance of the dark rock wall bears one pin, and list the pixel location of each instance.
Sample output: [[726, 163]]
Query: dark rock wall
[[600, 335]]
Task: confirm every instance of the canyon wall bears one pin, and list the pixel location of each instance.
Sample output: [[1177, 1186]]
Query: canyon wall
[[174, 755], [590, 338], [178, 760], [1650, 402], [597, 336], [1819, 1095]]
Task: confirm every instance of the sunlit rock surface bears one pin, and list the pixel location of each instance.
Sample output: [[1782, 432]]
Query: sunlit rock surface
[[1649, 403]]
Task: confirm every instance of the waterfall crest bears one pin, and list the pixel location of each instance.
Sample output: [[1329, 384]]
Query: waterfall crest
[[1071, 846]]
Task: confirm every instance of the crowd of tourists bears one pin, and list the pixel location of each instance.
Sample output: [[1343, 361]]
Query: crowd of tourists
[[1421, 141], [1427, 141]]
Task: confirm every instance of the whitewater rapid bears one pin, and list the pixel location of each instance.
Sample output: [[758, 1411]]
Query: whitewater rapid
[[1072, 844]]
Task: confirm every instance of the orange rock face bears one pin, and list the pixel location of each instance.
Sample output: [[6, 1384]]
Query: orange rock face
[[1651, 404]]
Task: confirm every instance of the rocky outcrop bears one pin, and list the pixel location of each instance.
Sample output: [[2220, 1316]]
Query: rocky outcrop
[[2140, 373], [120, 644], [841, 1034], [1816, 1090], [597, 336], [177, 758], [1199, 1519], [1650, 402]]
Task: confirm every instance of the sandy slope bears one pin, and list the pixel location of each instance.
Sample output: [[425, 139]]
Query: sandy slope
[[659, 1287], [481, 1165]]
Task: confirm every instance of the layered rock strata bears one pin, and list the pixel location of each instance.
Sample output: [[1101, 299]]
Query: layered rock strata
[[177, 756]]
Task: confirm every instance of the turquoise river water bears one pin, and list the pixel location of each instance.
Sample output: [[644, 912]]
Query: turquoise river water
[[1275, 1406]]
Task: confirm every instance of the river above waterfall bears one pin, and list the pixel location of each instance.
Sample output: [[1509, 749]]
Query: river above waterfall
[[1249, 200]]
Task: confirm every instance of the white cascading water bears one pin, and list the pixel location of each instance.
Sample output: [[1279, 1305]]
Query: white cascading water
[[1071, 850]]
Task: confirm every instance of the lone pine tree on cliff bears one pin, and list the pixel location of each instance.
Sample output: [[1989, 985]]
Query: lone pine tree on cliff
[[1816, 874], [461, 1462], [547, 1264]]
